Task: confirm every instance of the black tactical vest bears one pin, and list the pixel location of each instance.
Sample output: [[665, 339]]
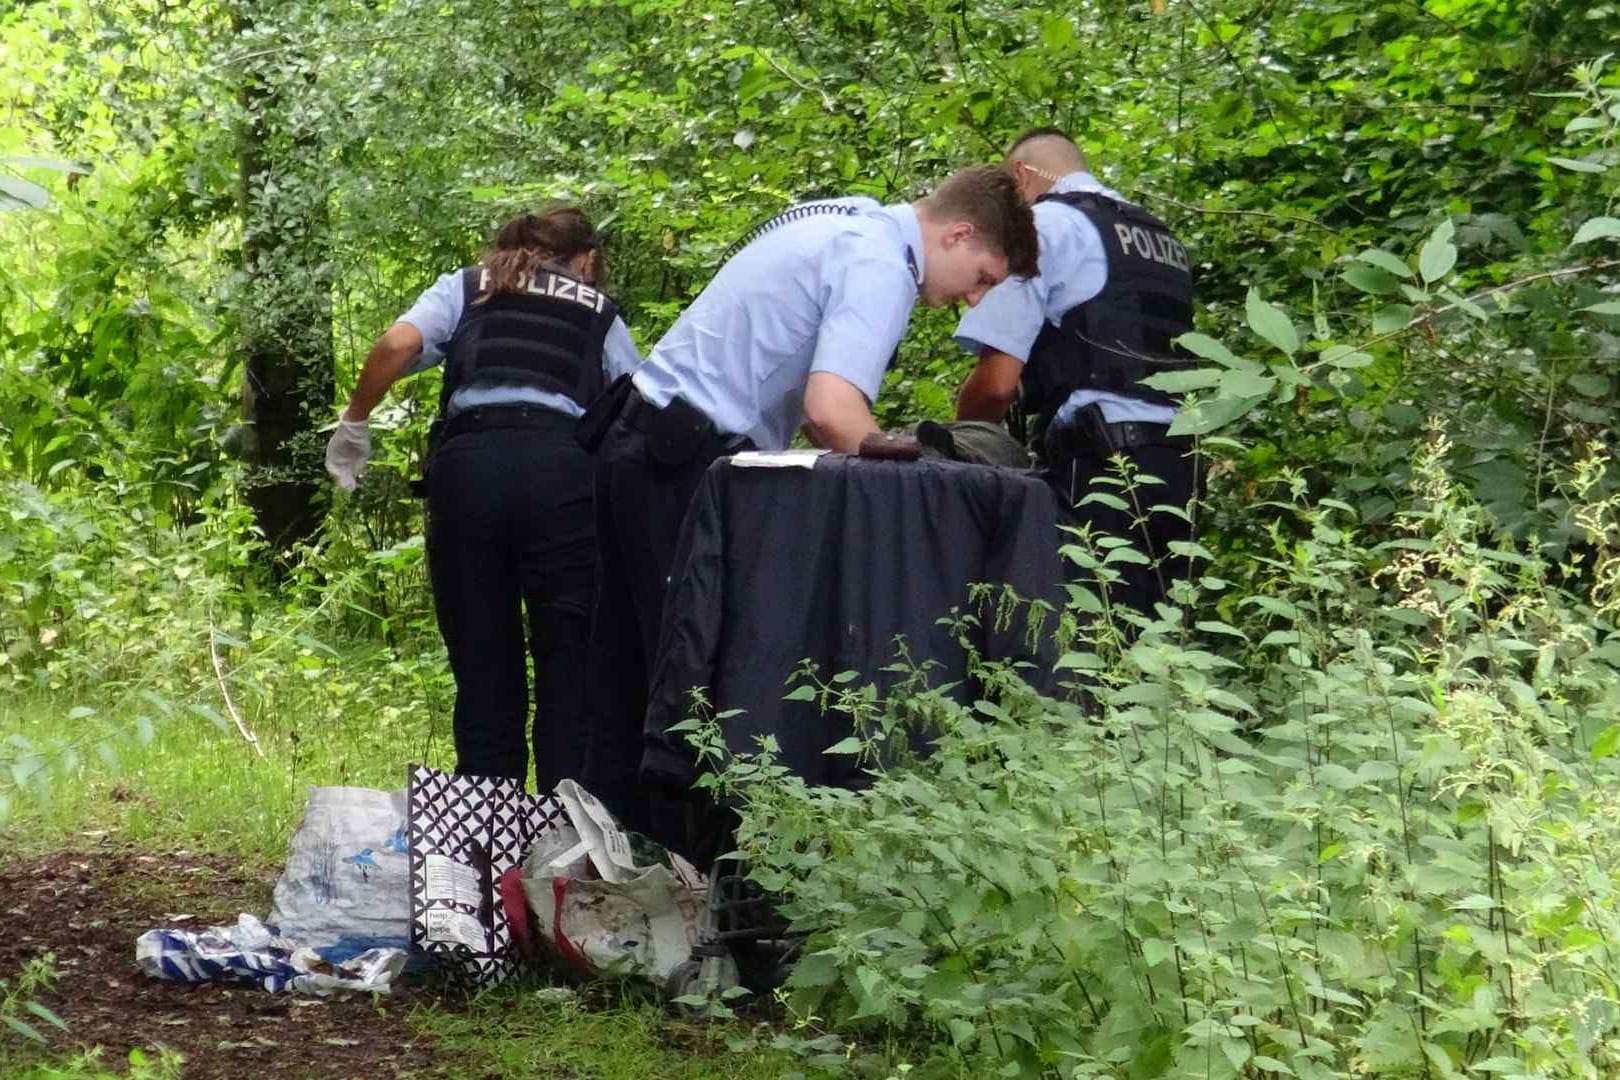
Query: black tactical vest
[[548, 336], [1122, 335]]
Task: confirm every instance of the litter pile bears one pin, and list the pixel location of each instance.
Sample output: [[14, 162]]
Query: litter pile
[[470, 874]]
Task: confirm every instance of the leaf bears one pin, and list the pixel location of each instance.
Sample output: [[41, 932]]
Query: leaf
[[1439, 254], [1236, 1050], [817, 969], [1598, 228], [851, 745], [1474, 902], [1270, 323], [1345, 357], [1607, 742], [1608, 307], [1056, 32], [27, 1031], [1156, 951], [1385, 260], [45, 1014], [209, 713], [16, 193], [1180, 382], [1246, 384], [1465, 305], [1271, 1064], [59, 165], [1574, 165], [1212, 627], [1370, 279], [1105, 498], [1589, 384], [1207, 416], [1204, 346], [755, 81], [1392, 317]]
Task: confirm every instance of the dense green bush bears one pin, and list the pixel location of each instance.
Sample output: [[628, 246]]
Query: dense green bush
[[1344, 808], [1365, 826], [116, 623]]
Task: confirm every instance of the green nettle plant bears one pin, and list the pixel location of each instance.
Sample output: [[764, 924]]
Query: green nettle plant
[[1345, 807], [1368, 828]]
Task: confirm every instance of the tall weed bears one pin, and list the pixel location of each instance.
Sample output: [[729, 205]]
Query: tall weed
[[1363, 825]]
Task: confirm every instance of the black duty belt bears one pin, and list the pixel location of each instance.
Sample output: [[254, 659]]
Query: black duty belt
[[501, 417], [1088, 430], [678, 432], [1130, 434]]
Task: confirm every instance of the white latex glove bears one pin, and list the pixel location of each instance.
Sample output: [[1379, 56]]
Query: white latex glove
[[347, 452]]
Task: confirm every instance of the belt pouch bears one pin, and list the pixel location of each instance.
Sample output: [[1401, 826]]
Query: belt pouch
[[678, 433]]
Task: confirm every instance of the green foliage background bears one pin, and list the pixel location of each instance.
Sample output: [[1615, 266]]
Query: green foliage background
[[1404, 221]]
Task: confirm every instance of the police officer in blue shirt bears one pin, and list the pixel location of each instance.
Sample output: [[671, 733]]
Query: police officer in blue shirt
[[530, 342], [794, 331], [1074, 343]]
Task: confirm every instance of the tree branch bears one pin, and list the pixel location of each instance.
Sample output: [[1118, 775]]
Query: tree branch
[[1434, 313], [1157, 198], [224, 692]]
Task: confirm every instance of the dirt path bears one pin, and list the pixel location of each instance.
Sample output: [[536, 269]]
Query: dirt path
[[88, 907]]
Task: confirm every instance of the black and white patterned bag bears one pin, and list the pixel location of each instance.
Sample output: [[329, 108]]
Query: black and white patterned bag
[[466, 832]]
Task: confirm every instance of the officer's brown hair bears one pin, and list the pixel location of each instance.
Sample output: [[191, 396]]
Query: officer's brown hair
[[987, 198], [530, 241]]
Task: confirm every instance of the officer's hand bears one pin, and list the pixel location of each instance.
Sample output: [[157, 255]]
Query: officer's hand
[[347, 452]]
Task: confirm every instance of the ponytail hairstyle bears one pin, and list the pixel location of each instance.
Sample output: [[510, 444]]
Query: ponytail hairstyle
[[531, 241]]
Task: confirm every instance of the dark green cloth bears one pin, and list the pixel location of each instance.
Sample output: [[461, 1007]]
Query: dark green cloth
[[973, 441]]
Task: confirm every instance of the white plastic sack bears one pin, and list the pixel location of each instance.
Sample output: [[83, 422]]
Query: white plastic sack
[[637, 919], [346, 887]]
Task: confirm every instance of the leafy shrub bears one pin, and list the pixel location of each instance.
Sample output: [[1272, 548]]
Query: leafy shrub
[[1366, 828]]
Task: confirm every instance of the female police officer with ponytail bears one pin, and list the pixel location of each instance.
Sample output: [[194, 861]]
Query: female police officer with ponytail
[[529, 342]]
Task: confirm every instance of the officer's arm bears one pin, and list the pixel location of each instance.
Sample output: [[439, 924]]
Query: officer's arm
[[836, 414], [991, 388], [384, 365]]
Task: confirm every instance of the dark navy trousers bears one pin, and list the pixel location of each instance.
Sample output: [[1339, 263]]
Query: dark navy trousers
[[511, 546]]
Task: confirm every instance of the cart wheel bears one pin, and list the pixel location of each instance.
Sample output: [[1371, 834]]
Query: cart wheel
[[685, 981]]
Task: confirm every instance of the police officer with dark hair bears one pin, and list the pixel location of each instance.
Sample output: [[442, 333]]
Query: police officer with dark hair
[[530, 342], [795, 330], [1074, 343]]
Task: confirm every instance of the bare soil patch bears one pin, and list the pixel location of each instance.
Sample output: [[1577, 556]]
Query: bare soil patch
[[87, 908]]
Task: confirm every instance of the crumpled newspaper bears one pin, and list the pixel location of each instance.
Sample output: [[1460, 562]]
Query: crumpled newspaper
[[254, 953], [611, 902]]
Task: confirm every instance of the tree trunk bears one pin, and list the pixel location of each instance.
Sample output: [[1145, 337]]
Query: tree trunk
[[285, 305]]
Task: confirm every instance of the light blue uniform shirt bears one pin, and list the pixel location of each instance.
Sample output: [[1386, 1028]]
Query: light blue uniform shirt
[[437, 313], [1074, 268], [828, 292]]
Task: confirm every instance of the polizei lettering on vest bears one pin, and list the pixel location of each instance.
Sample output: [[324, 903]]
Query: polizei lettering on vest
[[555, 286], [563, 288], [1152, 244]]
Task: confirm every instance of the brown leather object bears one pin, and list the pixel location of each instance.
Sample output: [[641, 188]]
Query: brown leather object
[[890, 447]]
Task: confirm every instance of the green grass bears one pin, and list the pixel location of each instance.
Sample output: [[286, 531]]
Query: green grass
[[630, 1037], [193, 785]]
